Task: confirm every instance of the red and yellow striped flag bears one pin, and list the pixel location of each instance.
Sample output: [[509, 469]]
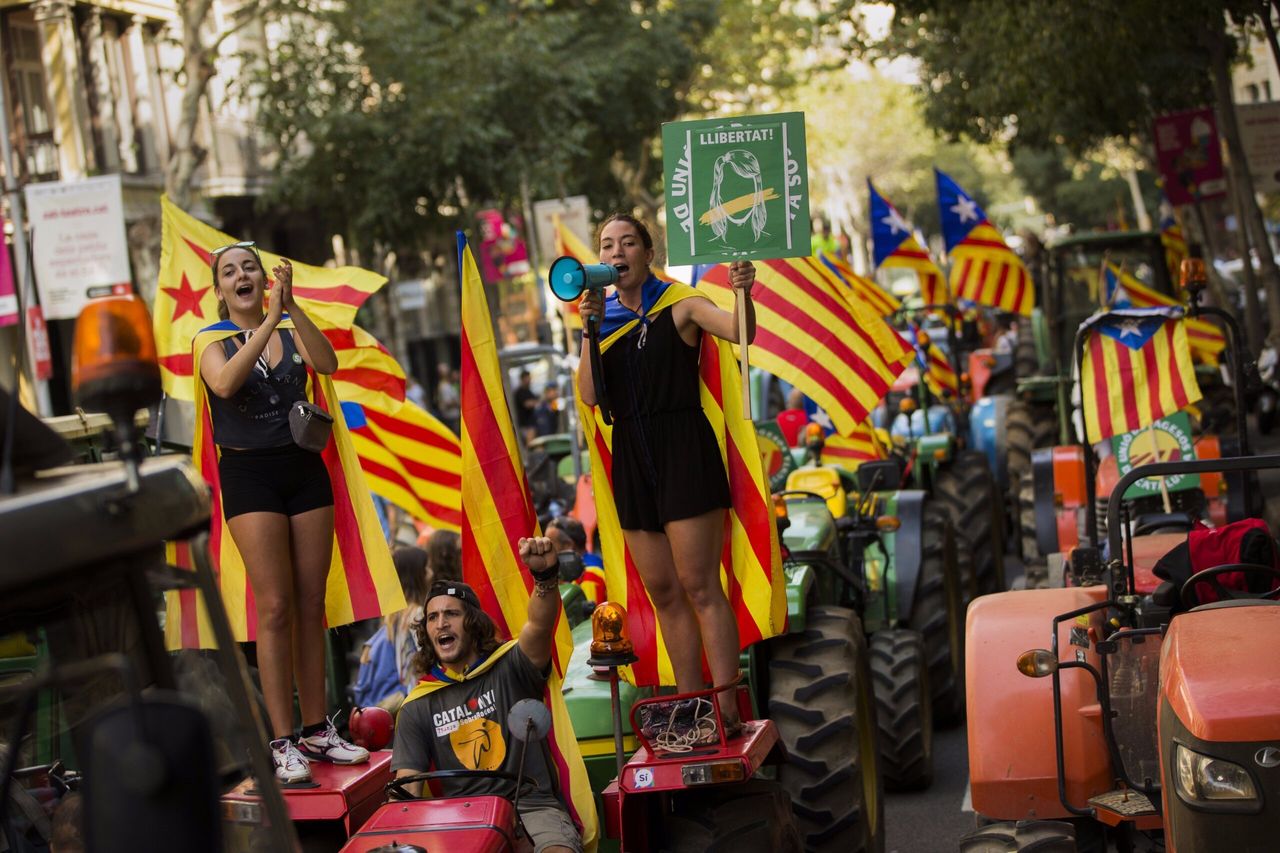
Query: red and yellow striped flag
[[1171, 237], [812, 332], [362, 579], [894, 246], [1207, 341], [875, 296], [751, 563], [1136, 369], [410, 459], [367, 374], [849, 451], [185, 300], [983, 267], [497, 510]]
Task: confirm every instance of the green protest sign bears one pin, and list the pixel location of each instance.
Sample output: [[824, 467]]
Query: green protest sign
[[1167, 440], [737, 189]]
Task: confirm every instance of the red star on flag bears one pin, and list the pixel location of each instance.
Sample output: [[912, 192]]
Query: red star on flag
[[185, 299]]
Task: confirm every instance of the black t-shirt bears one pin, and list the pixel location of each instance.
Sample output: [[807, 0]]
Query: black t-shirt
[[525, 402], [464, 727]]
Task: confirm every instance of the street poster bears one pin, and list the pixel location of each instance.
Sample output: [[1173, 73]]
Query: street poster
[[1167, 440], [8, 292], [573, 212], [736, 189], [1260, 136], [1190, 156], [78, 243]]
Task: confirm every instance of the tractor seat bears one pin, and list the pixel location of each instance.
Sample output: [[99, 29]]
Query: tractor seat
[[1162, 522], [821, 481]]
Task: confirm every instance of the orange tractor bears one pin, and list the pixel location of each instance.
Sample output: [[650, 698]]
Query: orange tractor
[[1159, 727]]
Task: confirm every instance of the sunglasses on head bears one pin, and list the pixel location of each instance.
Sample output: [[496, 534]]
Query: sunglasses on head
[[243, 244]]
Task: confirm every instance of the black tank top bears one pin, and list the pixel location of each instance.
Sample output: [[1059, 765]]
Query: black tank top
[[257, 416], [652, 372]]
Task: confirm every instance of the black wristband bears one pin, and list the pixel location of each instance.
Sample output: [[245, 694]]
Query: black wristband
[[545, 575]]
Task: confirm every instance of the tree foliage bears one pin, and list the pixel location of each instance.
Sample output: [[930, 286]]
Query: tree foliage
[[399, 116], [1056, 72]]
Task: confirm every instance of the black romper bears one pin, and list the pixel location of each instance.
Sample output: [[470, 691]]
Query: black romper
[[666, 461]]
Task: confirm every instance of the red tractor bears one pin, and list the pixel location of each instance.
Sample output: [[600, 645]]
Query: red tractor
[[685, 786], [1159, 724]]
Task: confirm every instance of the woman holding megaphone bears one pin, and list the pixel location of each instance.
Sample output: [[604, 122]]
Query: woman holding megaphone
[[669, 483]]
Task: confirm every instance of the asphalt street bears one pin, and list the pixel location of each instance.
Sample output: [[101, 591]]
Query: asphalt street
[[933, 821]]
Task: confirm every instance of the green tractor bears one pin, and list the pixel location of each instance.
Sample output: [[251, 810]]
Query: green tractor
[[889, 555], [931, 436]]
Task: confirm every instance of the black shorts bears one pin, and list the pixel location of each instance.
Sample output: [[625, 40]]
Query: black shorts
[[666, 467], [286, 480]]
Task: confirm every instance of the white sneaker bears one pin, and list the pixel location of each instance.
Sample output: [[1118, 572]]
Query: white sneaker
[[327, 745], [290, 765]]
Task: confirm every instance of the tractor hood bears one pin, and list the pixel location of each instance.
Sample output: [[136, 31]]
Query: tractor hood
[[1221, 674]]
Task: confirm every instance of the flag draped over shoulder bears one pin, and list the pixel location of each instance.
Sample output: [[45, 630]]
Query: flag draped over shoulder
[[873, 295], [894, 246], [751, 564], [983, 267], [1206, 340], [849, 451], [812, 332], [1136, 369], [185, 301], [497, 511], [362, 579]]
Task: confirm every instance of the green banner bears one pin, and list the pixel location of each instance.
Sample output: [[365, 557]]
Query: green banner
[[1167, 440], [737, 189]]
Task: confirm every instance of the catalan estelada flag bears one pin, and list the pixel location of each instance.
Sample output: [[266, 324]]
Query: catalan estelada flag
[[185, 300], [497, 511], [983, 267], [362, 579], [1136, 369], [876, 297], [367, 373], [1171, 237], [894, 246], [814, 333], [1123, 290], [850, 451], [751, 564], [411, 459], [939, 375]]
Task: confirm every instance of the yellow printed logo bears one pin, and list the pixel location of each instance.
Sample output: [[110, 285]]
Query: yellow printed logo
[[478, 744]]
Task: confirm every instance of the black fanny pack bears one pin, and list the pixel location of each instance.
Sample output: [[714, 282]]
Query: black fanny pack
[[310, 426]]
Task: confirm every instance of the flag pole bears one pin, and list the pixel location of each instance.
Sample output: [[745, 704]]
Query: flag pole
[[1155, 448], [740, 308]]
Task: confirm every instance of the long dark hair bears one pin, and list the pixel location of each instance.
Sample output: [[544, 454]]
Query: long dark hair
[[479, 627], [411, 566], [444, 548]]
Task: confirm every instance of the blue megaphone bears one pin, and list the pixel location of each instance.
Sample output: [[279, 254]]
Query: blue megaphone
[[569, 277]]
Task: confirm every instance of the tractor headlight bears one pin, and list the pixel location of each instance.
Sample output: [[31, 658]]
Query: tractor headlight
[[1204, 779]]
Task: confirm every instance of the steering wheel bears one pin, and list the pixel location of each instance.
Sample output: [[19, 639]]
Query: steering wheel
[[396, 787], [1210, 576]]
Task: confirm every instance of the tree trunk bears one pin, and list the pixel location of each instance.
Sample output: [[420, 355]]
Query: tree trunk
[[1270, 27], [1215, 41], [1252, 310], [1139, 203], [197, 66]]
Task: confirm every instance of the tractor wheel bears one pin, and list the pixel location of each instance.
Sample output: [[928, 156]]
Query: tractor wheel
[[1026, 361], [1027, 428], [1035, 564], [966, 489], [1042, 836], [750, 817], [903, 709], [937, 614], [820, 699]]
